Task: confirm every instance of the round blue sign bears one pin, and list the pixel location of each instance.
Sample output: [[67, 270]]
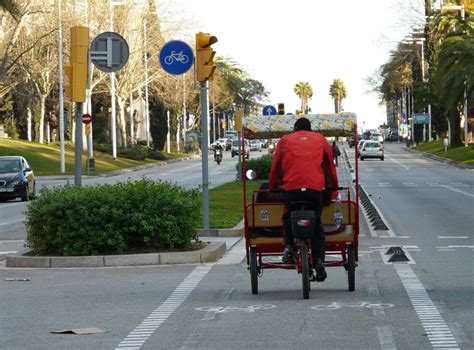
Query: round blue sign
[[176, 57], [269, 110]]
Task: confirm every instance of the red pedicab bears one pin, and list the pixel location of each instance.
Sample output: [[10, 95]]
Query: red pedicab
[[263, 216]]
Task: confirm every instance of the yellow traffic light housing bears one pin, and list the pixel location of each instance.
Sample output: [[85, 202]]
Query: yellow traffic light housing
[[238, 119], [77, 70], [205, 56], [281, 108]]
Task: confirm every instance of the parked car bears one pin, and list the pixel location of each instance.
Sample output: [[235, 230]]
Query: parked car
[[235, 148], [394, 136], [255, 145], [17, 179], [372, 149]]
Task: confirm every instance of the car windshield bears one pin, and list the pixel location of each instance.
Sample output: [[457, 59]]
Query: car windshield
[[371, 145], [9, 166]]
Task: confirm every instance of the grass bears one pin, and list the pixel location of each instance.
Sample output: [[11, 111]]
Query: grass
[[225, 203], [45, 159], [460, 154]]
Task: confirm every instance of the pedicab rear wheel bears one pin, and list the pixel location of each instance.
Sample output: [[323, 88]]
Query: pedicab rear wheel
[[351, 265], [305, 270], [253, 270]]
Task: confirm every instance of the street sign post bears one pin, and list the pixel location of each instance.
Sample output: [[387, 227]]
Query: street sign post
[[86, 118], [269, 110], [421, 118], [176, 57], [109, 52]]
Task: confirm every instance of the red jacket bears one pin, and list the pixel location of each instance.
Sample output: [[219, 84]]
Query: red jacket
[[298, 158]]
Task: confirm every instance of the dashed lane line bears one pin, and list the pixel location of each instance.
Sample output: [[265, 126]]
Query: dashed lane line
[[435, 327], [458, 191], [137, 338]]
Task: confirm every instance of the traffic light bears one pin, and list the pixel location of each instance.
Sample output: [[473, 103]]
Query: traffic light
[[281, 108], [204, 56], [238, 119], [76, 71]]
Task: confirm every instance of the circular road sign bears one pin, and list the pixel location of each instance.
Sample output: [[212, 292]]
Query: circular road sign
[[176, 57], [86, 118], [269, 110], [109, 52]]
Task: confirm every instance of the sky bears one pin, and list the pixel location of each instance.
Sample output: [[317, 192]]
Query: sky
[[283, 42]]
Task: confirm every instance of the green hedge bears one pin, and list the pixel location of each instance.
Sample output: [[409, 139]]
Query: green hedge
[[105, 219], [261, 165]]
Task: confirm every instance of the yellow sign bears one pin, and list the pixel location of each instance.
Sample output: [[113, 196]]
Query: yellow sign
[[238, 119]]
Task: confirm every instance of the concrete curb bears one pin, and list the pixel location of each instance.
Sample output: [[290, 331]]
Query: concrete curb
[[441, 159], [118, 172], [221, 232], [210, 253]]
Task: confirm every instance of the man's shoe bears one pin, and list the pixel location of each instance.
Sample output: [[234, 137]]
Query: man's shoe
[[320, 271], [288, 255]]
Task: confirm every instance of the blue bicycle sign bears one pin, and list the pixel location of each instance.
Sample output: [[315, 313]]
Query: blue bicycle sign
[[179, 57], [176, 57]]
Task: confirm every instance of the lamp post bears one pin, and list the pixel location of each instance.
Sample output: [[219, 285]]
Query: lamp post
[[61, 93], [465, 112]]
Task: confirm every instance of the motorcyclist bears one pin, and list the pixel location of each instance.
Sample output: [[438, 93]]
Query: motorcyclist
[[298, 159], [218, 146]]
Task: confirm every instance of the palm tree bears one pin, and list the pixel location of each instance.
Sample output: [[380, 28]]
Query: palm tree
[[338, 92], [304, 92]]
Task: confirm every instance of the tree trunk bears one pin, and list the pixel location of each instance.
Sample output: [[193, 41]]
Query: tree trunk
[[41, 120], [335, 105], [29, 118], [122, 122], [455, 128]]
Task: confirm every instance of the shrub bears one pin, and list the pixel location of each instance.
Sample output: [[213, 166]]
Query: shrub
[[155, 154], [262, 166], [116, 218]]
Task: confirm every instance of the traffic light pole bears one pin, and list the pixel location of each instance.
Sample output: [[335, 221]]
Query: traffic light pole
[[204, 151], [78, 145]]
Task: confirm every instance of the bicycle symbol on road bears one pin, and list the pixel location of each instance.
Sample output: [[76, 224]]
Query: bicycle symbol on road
[[335, 305], [179, 57], [211, 311]]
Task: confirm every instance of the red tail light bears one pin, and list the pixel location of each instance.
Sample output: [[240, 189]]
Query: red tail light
[[303, 223], [381, 149]]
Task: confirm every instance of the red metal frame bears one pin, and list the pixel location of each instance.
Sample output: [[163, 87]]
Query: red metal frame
[[275, 249]]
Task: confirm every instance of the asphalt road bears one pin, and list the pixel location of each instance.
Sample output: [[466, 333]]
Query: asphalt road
[[424, 304]]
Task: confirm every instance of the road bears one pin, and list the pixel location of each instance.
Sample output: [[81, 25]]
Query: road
[[424, 304]]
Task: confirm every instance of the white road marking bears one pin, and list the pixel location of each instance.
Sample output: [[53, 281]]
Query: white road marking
[[12, 204], [161, 314], [427, 313], [12, 241], [384, 184], [458, 191], [396, 161], [453, 237], [11, 222], [9, 252], [386, 338], [409, 184]]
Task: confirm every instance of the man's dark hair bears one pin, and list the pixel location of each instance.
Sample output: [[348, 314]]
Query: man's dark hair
[[302, 124]]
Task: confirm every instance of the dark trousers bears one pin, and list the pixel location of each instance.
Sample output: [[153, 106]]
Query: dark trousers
[[316, 198]]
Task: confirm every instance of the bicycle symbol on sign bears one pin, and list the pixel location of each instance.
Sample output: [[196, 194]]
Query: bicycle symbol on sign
[[335, 305], [179, 57]]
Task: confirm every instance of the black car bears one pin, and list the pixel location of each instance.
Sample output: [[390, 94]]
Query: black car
[[16, 179]]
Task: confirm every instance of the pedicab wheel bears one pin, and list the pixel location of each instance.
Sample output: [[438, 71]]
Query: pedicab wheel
[[253, 270], [305, 270], [351, 265]]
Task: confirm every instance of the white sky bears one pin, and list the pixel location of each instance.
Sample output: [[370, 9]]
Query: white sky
[[282, 42]]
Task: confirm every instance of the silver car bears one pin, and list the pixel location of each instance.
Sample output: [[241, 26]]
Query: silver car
[[371, 149]]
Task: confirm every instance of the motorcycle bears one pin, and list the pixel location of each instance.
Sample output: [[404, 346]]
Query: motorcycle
[[218, 156]]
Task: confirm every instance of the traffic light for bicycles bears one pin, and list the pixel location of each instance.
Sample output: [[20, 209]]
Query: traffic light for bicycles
[[76, 71], [205, 56]]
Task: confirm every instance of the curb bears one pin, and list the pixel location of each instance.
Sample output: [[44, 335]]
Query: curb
[[118, 172], [211, 253], [441, 159]]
